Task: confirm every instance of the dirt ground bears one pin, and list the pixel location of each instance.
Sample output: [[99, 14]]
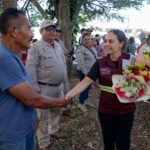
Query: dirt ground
[[84, 132]]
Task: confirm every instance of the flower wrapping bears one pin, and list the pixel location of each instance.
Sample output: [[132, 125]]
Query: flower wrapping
[[138, 69], [130, 88]]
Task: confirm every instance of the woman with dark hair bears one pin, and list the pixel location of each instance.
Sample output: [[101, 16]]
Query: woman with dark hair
[[131, 45], [116, 118], [86, 57]]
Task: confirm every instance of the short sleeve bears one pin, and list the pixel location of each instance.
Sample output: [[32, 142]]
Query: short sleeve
[[94, 72], [11, 73]]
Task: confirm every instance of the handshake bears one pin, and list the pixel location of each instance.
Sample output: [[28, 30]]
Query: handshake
[[64, 101]]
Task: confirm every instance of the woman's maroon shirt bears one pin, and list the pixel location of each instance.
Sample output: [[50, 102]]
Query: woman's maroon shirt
[[103, 70]]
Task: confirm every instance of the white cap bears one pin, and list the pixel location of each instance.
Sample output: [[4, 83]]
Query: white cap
[[47, 23]]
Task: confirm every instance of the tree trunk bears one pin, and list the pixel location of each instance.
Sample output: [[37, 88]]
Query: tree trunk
[[9, 3], [64, 23]]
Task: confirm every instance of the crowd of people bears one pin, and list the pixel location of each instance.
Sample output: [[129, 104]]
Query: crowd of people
[[35, 92]]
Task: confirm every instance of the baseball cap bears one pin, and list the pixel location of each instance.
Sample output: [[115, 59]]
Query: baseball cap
[[47, 23]]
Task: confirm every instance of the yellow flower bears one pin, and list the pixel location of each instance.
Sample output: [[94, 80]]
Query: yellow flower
[[143, 73], [140, 65]]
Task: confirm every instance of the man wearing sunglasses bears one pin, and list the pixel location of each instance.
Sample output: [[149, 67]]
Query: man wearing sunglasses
[[47, 67]]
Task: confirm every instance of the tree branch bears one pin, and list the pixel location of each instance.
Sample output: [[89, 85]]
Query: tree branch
[[78, 8], [40, 9]]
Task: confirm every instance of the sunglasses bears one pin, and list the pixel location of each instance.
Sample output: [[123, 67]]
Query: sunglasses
[[58, 30], [48, 29]]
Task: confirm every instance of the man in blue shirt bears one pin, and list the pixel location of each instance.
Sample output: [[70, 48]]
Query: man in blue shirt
[[17, 98]]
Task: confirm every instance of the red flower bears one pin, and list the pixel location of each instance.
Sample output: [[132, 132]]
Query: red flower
[[147, 77], [121, 94], [117, 89], [136, 72], [141, 92]]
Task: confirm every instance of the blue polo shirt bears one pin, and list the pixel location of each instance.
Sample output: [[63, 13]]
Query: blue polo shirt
[[16, 119]]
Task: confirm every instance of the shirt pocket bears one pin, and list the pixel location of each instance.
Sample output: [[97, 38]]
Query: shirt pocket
[[48, 60]]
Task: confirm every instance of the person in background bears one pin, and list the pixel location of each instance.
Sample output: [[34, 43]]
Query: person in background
[[17, 98], [68, 111], [24, 53], [97, 36], [82, 31], [89, 31], [146, 46], [102, 51], [131, 45], [116, 118], [143, 41], [95, 44], [34, 40], [47, 67], [59, 40], [146, 49], [86, 57]]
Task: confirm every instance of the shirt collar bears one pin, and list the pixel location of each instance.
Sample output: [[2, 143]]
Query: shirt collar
[[8, 50], [122, 56], [48, 44]]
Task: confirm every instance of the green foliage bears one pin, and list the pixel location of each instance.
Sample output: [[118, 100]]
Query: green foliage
[[52, 8], [34, 15], [76, 30], [108, 8], [73, 5], [92, 9]]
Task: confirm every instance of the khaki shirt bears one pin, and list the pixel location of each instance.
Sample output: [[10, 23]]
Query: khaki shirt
[[85, 58], [46, 63], [65, 50]]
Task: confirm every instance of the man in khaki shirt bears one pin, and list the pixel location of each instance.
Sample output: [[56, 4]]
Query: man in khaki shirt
[[47, 67]]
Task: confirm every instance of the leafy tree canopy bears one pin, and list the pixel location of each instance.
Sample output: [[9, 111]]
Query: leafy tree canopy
[[89, 9]]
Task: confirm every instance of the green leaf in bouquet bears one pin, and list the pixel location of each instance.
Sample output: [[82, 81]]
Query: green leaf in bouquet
[[133, 68]]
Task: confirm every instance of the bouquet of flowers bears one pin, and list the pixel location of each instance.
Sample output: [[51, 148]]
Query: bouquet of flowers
[[138, 69], [129, 88], [134, 84], [141, 66]]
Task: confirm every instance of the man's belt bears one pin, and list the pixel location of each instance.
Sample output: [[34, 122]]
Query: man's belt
[[48, 84]]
